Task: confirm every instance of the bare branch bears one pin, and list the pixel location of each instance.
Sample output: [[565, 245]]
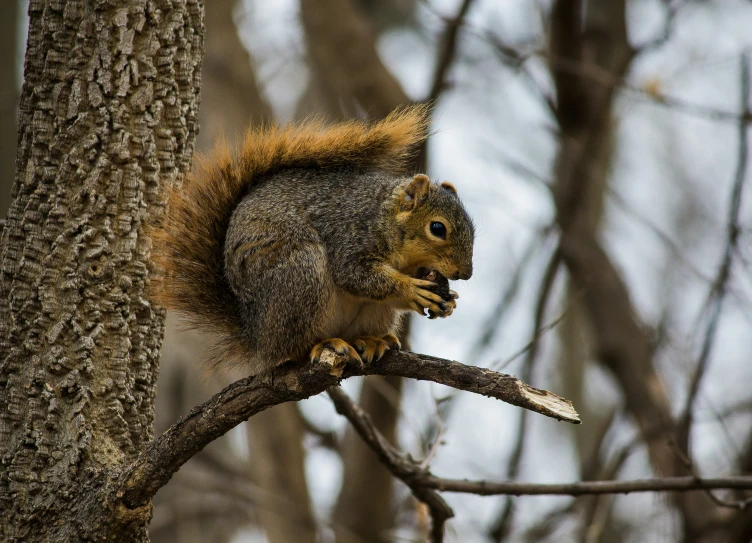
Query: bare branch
[[540, 332], [508, 294], [290, 382], [595, 74], [517, 57], [324, 438], [647, 223], [672, 9], [684, 459], [447, 50], [719, 288], [405, 469], [665, 484], [502, 524], [342, 52]]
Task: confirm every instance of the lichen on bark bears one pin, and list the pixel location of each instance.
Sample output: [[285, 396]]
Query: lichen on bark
[[108, 115]]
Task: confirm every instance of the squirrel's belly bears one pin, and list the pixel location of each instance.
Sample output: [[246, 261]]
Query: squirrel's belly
[[353, 317]]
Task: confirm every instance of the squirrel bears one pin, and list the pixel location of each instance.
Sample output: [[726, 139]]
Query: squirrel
[[311, 237]]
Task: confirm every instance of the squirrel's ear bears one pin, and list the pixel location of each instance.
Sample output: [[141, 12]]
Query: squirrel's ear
[[446, 185], [417, 191]]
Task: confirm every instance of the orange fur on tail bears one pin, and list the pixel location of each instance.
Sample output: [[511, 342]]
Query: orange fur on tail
[[189, 241]]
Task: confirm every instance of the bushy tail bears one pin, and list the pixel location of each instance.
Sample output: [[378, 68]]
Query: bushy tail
[[189, 241]]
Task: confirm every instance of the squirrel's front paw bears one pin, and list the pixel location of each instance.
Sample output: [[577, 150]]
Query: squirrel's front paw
[[372, 348], [419, 297], [339, 346], [449, 304], [440, 287]]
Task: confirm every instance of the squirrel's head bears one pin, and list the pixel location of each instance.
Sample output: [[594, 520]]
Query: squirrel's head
[[436, 231]]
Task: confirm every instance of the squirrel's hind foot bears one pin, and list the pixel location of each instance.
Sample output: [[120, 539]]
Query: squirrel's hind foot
[[372, 348], [339, 346], [392, 341]]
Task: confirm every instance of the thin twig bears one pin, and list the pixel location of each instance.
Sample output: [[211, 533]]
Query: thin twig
[[517, 59], [719, 288], [508, 294], [684, 459], [672, 9], [602, 77], [665, 484], [438, 441], [597, 510], [672, 246], [501, 525], [403, 468], [543, 330], [447, 50], [325, 438]]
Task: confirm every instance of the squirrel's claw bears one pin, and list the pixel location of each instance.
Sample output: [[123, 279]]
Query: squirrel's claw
[[392, 341], [339, 346], [415, 306], [420, 298], [448, 308], [371, 348]]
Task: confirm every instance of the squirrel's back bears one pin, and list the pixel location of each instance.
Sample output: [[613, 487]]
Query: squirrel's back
[[189, 241]]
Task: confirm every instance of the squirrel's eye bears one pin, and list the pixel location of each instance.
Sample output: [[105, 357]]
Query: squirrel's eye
[[438, 229]]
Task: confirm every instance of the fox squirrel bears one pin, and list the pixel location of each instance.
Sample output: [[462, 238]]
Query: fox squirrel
[[312, 237]]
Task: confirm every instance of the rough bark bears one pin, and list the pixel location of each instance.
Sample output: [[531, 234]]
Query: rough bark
[[8, 100], [108, 114]]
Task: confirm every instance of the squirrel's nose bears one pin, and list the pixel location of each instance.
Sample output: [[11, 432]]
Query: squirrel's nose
[[465, 273]]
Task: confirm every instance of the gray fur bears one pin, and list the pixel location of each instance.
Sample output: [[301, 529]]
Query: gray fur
[[304, 267]]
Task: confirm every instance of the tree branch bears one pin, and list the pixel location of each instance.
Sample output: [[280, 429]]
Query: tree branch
[[405, 469], [666, 484], [719, 288], [684, 459], [672, 9], [500, 529], [447, 50], [290, 382]]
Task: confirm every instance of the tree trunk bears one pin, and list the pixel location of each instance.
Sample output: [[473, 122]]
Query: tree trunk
[[8, 100], [108, 114]]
